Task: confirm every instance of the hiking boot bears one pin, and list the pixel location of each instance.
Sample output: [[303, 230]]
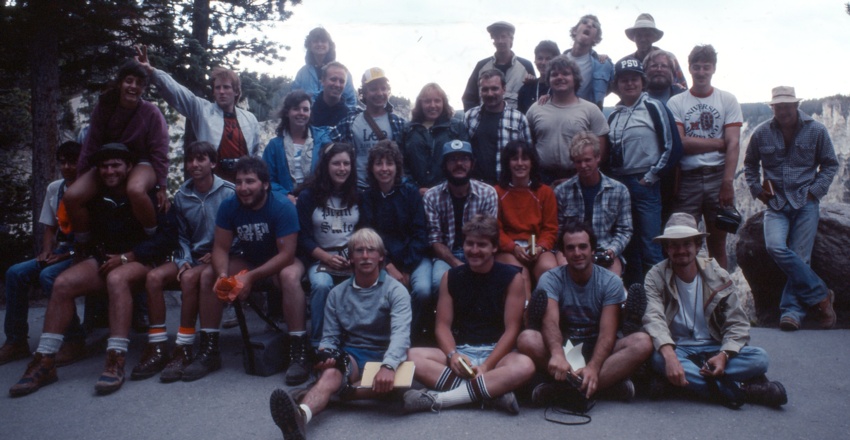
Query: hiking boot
[[420, 400], [634, 309], [113, 373], [13, 351], [789, 323], [40, 372], [537, 305], [765, 393], [623, 390], [299, 370], [228, 317], [506, 402], [70, 352], [826, 314], [181, 357], [287, 416], [552, 393], [208, 359], [152, 362]]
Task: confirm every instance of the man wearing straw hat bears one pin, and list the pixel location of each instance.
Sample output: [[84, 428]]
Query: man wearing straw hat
[[798, 163], [645, 34], [698, 325]]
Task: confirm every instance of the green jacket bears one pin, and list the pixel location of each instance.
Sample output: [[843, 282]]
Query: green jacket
[[727, 321]]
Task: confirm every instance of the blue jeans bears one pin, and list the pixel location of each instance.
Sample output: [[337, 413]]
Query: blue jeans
[[421, 293], [642, 253], [749, 363], [321, 284], [789, 235], [19, 278], [439, 268]]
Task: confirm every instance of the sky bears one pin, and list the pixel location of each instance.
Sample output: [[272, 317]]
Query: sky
[[760, 44]]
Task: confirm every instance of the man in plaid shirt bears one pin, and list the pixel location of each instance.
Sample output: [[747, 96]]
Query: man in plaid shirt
[[799, 163], [492, 125], [596, 199], [449, 205]]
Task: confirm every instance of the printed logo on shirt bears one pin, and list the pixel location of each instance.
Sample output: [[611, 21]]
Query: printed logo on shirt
[[252, 233], [703, 121], [370, 136]]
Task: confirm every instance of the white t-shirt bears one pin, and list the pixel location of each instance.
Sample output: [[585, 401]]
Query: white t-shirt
[[51, 204], [689, 326], [705, 117]]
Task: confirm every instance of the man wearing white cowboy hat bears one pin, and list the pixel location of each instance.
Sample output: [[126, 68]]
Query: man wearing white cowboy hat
[[696, 319], [799, 164], [644, 34]]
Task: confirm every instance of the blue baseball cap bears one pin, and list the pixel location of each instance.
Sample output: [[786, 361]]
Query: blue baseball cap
[[456, 146]]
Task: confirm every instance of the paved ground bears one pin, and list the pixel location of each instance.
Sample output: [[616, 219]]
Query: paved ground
[[229, 404]]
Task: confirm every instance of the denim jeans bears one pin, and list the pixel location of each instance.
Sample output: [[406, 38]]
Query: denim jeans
[[439, 268], [642, 253], [789, 235], [19, 278], [321, 284], [747, 364], [421, 293]]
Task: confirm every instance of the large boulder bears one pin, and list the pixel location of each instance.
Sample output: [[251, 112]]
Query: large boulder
[[830, 258]]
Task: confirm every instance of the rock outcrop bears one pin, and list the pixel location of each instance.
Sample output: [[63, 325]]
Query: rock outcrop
[[830, 258]]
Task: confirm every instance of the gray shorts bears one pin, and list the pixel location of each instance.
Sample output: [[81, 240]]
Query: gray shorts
[[699, 192]]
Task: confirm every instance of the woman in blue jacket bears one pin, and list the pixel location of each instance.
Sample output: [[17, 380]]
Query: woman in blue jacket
[[320, 51]]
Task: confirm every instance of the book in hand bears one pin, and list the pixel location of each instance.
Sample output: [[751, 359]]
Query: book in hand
[[767, 186], [403, 374]]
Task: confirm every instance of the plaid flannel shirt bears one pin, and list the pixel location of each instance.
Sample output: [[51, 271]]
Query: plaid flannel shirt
[[612, 211], [512, 125], [440, 215], [806, 167]]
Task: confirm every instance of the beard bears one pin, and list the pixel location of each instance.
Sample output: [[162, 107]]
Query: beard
[[457, 181]]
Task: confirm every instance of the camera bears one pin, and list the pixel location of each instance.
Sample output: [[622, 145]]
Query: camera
[[602, 258], [728, 219], [227, 165]]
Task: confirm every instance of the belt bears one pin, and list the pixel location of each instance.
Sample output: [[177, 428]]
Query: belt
[[705, 170]]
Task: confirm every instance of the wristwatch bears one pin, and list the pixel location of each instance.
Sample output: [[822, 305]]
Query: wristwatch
[[124, 259], [388, 367]]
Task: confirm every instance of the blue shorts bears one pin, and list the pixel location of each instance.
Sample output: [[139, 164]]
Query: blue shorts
[[363, 355], [477, 354]]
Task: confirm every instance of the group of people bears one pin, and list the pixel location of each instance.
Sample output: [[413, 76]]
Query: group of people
[[475, 246]]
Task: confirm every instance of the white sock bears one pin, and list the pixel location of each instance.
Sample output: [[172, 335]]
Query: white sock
[[117, 344], [308, 414], [210, 330], [154, 337], [49, 343], [457, 396], [185, 338]]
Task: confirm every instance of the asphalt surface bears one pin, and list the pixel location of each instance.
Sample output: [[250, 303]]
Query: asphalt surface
[[230, 404]]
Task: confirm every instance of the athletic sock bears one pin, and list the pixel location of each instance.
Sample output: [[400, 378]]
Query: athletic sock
[[186, 336], [117, 344], [308, 414], [49, 343], [448, 380], [157, 333], [210, 330]]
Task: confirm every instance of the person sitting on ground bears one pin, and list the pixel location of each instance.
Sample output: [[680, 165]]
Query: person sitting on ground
[[328, 213], [122, 255], [432, 125], [700, 330], [367, 319], [598, 200], [321, 51], [292, 155], [526, 208], [122, 116], [479, 315], [267, 231], [42, 270], [196, 204], [583, 306], [395, 210]]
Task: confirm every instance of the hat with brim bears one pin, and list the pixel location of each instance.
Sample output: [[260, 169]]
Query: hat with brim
[[501, 25], [681, 225], [644, 21], [113, 151], [784, 95]]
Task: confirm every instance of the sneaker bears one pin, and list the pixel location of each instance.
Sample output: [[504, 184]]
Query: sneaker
[[208, 359], [789, 323], [537, 305], [506, 402], [13, 351], [634, 309], [70, 352], [766, 393], [40, 372], [152, 362], [228, 317], [826, 312], [552, 393], [181, 357], [299, 370], [421, 400], [287, 416], [113, 373], [623, 390]]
